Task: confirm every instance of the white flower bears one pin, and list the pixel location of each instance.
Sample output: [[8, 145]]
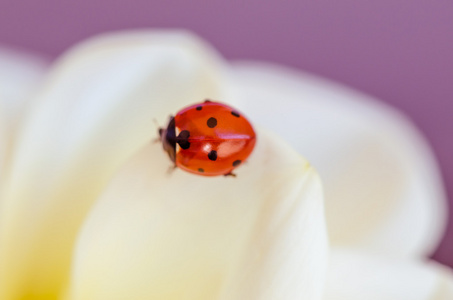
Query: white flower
[[88, 211]]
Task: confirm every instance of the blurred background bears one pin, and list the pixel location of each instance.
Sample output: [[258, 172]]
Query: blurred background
[[398, 51]]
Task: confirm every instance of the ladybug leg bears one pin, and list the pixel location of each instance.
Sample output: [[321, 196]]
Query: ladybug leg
[[160, 130], [171, 169], [230, 174], [155, 140]]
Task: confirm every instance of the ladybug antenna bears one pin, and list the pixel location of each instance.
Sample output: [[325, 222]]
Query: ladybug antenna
[[159, 129]]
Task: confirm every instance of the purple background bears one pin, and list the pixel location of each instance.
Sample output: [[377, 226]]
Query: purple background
[[399, 51]]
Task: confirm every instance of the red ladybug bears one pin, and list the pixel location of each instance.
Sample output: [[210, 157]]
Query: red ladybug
[[208, 139]]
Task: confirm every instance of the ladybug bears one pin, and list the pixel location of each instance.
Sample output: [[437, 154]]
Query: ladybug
[[208, 139]]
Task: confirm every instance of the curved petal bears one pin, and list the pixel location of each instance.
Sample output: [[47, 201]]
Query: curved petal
[[258, 236], [20, 74], [356, 276], [4, 145], [95, 110], [382, 185]]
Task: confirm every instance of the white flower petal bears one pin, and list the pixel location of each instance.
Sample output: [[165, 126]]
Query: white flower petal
[[258, 236], [356, 276], [95, 110], [20, 74], [382, 185], [4, 145]]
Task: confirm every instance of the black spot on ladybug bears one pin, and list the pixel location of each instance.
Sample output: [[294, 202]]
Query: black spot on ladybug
[[184, 134], [235, 113], [236, 163], [207, 101], [212, 155], [199, 107], [184, 144], [212, 122], [201, 170], [182, 139]]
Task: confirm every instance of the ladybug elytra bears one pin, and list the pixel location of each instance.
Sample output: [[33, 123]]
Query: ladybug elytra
[[208, 139]]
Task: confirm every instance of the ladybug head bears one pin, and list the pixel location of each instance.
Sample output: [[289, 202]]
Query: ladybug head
[[168, 139]]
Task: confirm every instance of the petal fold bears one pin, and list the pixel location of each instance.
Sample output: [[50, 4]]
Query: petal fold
[[356, 276], [20, 74], [260, 235], [382, 184], [4, 146]]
